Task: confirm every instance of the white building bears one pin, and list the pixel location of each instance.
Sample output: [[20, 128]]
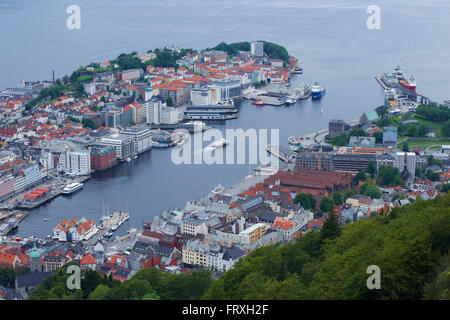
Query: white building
[[153, 111], [201, 97], [170, 115], [142, 138], [76, 162], [124, 144], [257, 49]]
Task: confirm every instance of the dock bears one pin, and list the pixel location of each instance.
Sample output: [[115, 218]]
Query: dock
[[29, 205], [381, 82]]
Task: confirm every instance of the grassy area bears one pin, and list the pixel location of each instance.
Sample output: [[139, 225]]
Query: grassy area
[[84, 78], [412, 144]]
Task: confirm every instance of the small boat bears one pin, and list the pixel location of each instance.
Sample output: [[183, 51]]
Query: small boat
[[219, 143], [128, 159], [131, 230], [44, 219], [135, 156], [321, 111], [114, 227], [108, 234], [290, 101], [258, 102]]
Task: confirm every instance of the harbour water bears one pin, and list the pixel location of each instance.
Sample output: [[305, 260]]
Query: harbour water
[[330, 39]]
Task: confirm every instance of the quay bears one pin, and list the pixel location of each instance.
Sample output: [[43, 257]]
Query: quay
[[318, 136], [53, 193], [381, 82], [252, 180]]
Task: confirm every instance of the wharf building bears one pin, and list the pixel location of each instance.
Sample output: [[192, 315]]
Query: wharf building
[[76, 162], [210, 112], [123, 143], [142, 138], [103, 157]]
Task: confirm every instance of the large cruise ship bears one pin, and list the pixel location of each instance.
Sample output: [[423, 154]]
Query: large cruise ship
[[72, 187]]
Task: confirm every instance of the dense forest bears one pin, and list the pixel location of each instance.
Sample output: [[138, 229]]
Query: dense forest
[[410, 245]]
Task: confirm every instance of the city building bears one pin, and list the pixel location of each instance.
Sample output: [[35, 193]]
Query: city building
[[76, 162], [142, 138], [53, 263], [257, 49], [201, 97], [113, 118], [123, 143], [390, 138], [335, 127], [153, 108], [131, 74], [32, 175], [253, 233], [366, 142], [103, 157]]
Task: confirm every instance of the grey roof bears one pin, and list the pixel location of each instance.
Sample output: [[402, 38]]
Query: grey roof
[[32, 280], [233, 253]]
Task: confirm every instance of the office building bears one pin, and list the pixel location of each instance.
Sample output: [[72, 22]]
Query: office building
[[257, 49], [76, 162], [390, 138], [124, 144]]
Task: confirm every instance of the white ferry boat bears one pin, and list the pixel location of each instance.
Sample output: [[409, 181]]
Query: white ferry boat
[[72, 187]]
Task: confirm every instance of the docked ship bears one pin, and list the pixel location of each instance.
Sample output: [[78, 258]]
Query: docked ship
[[317, 91], [258, 102], [410, 85], [72, 187], [297, 70], [290, 101], [294, 144]]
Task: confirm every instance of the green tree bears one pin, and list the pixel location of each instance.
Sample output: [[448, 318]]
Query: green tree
[[88, 122], [330, 229], [405, 146], [169, 102], [446, 187], [432, 161], [382, 111], [349, 193], [100, 292], [360, 176], [389, 176], [306, 200], [371, 169], [338, 198], [340, 140], [371, 190], [378, 137], [446, 129], [326, 204], [357, 132]]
